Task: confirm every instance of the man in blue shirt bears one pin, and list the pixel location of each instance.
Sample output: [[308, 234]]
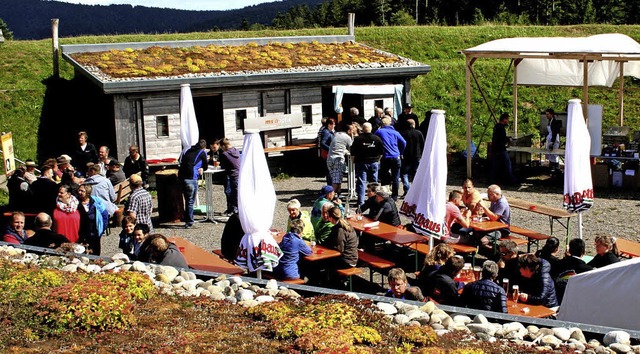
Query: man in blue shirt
[[192, 163]]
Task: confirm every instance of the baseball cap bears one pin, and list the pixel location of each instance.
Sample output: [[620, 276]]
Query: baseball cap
[[114, 162], [326, 190]]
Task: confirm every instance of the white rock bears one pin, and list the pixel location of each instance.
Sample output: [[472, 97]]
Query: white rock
[[480, 319], [223, 283], [179, 280], [217, 296], [621, 337], [244, 294], [401, 319], [231, 299], [429, 307], [169, 271], [138, 266], [387, 308], [620, 348], [264, 298], [126, 267], [248, 303], [110, 266], [93, 268], [485, 328], [415, 314], [85, 260], [71, 268], [352, 295], [562, 333], [271, 285], [551, 340], [577, 345], [576, 333], [236, 280], [462, 319], [120, 256]]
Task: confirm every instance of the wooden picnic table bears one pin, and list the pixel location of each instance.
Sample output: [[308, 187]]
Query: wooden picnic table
[[488, 226], [536, 311], [628, 248], [319, 252], [201, 259], [554, 214]]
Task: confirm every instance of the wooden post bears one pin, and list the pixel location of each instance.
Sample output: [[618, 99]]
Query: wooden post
[[467, 80], [352, 24], [585, 88], [621, 93], [515, 99], [54, 43]]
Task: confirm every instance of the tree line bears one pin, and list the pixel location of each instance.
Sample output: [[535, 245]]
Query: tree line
[[333, 13]]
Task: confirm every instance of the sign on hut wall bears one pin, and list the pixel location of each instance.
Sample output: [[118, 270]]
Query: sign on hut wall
[[274, 122]]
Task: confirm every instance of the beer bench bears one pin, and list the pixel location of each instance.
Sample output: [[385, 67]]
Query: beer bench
[[459, 248], [626, 248], [533, 237], [375, 263], [349, 273]]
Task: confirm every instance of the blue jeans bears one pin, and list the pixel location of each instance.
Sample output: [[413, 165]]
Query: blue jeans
[[231, 192], [501, 168], [407, 172], [365, 172], [190, 190], [393, 164]]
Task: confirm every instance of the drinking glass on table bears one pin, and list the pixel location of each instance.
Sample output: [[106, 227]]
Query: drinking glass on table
[[505, 285], [515, 295], [477, 271], [312, 244]]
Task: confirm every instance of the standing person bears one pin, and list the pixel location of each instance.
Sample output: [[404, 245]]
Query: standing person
[[45, 191], [93, 219], [102, 188], [553, 138], [307, 232], [104, 159], [388, 112], [139, 204], [20, 193], [85, 153], [366, 151], [500, 161], [66, 217], [292, 246], [605, 252], [15, 232], [393, 144], [485, 294], [135, 163], [193, 162], [115, 173], [354, 117], [424, 126], [44, 236], [403, 118], [411, 155], [336, 160], [30, 169], [343, 238], [326, 135], [399, 286], [537, 287], [376, 120], [230, 162], [214, 152]]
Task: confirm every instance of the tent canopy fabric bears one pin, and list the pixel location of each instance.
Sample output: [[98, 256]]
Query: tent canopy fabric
[[552, 61], [606, 296], [395, 90]]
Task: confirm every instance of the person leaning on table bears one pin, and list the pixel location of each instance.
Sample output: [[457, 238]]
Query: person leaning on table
[[157, 249], [344, 239], [536, 285], [485, 294]]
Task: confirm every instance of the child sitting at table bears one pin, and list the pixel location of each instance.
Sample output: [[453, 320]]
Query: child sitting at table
[[126, 236], [399, 287], [292, 246], [140, 233]]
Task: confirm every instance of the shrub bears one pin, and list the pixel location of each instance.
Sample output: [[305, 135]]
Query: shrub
[[420, 335]]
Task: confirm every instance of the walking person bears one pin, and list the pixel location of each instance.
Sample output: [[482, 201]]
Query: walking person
[[230, 162], [192, 163], [393, 144]]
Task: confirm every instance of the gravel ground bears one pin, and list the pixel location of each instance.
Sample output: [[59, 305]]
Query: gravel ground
[[611, 213]]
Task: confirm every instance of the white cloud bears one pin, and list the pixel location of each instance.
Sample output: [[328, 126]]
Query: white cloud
[[177, 4]]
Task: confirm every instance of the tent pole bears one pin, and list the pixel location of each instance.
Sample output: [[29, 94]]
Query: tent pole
[[467, 78], [585, 88], [515, 99], [621, 94]]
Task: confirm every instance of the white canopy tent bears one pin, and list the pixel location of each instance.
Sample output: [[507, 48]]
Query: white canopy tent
[[558, 61], [605, 296], [395, 90]]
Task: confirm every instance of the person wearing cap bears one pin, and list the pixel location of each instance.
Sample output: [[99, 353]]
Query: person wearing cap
[[139, 204], [327, 194], [406, 114], [104, 159], [135, 163], [387, 212], [193, 162], [85, 153], [393, 144], [30, 169], [366, 151], [102, 188], [114, 172], [65, 171]]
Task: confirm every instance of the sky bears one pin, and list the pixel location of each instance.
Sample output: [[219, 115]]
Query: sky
[[178, 4]]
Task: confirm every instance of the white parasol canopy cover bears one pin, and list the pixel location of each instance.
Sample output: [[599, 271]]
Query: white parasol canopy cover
[[578, 186], [189, 132], [425, 202], [256, 204]]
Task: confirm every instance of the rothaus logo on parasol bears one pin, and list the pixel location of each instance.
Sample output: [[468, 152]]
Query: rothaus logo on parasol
[[578, 200], [420, 221]]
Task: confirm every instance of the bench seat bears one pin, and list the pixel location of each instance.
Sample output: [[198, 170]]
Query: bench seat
[[533, 237], [423, 248], [375, 263], [349, 273]]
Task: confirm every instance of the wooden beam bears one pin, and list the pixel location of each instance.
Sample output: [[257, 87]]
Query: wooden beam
[[515, 98], [467, 78], [621, 94]]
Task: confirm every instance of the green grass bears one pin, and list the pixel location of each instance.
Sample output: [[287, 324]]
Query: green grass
[[25, 64]]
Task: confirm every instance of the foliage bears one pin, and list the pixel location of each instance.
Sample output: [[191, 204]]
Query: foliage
[[417, 335], [4, 29]]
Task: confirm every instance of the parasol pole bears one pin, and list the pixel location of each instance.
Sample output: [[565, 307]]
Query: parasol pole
[[580, 225], [259, 273]]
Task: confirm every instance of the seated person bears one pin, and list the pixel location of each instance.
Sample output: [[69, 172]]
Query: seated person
[[498, 211], [327, 194], [387, 212], [231, 237], [549, 253], [140, 233], [44, 236], [126, 236], [436, 258], [573, 260], [324, 226], [15, 232], [399, 287], [157, 249], [606, 252], [440, 285], [457, 220], [485, 294], [470, 195], [115, 174], [296, 214], [370, 203], [343, 238], [536, 285], [508, 265], [292, 246]]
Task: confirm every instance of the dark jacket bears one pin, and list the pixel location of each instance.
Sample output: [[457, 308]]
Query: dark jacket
[[499, 140], [89, 229], [573, 263], [20, 194], [485, 295], [45, 192], [116, 177], [442, 288], [403, 117], [230, 161], [231, 237], [192, 159], [553, 261], [387, 213], [599, 261], [510, 271], [412, 293], [415, 144], [366, 148], [346, 242], [540, 288], [46, 238], [82, 157], [132, 166]]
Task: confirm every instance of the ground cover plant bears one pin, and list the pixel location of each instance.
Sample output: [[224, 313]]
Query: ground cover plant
[[46, 310]]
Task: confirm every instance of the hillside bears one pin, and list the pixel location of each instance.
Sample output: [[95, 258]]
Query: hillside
[[30, 19], [26, 66]]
